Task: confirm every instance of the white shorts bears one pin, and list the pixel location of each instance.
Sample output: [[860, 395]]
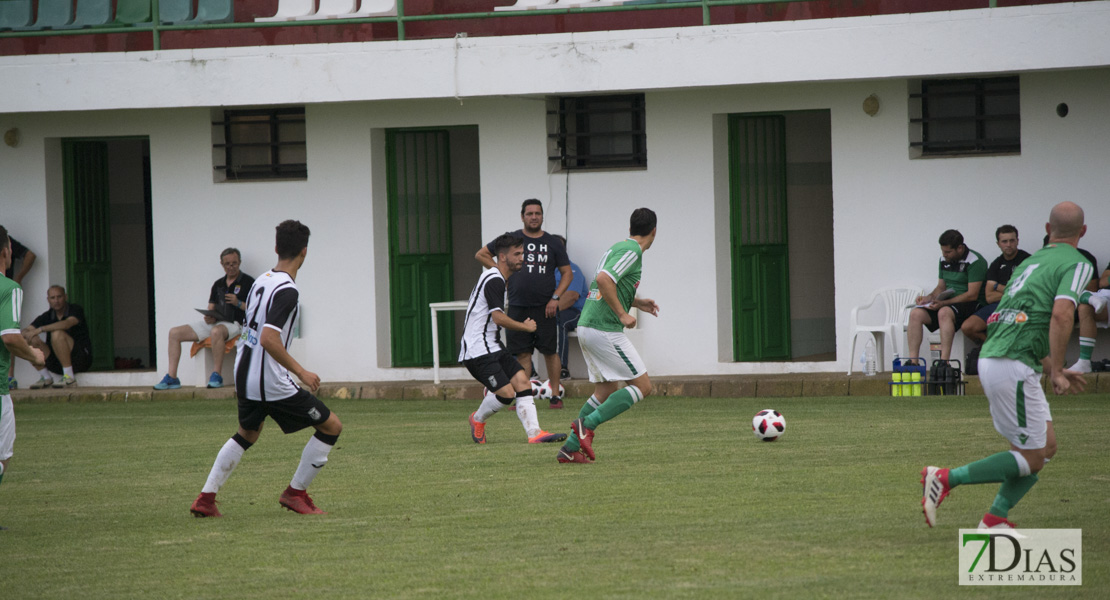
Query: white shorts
[[1018, 404], [609, 355], [204, 330], [7, 428]]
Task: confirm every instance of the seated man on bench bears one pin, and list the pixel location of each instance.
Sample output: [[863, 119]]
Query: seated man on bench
[[228, 298]]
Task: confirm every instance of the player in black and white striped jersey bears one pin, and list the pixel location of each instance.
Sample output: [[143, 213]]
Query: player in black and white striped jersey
[[486, 359], [264, 386]]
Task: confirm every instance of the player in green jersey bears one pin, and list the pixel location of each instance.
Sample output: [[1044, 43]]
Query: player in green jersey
[[11, 303], [609, 356], [1027, 333]]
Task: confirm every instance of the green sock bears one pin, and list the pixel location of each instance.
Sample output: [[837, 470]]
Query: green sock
[[617, 402], [572, 445], [1084, 296], [1086, 347], [992, 469], [1010, 493], [588, 407]]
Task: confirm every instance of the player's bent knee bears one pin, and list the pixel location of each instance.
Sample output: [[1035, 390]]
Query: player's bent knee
[[1050, 451], [332, 426], [250, 436]]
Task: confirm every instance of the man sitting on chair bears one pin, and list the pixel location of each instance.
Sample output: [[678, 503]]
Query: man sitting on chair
[[959, 293], [228, 298]]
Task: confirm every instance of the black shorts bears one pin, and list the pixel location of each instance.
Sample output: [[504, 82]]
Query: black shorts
[[963, 310], [986, 312], [291, 414], [545, 338], [80, 358], [494, 370]]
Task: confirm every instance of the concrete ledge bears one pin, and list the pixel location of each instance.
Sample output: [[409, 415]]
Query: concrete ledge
[[733, 387], [815, 388], [339, 390], [779, 388], [472, 391], [423, 391], [688, 387], [130, 395]]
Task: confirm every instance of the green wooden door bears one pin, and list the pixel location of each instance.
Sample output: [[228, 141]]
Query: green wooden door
[[89, 242], [420, 257], [760, 262]]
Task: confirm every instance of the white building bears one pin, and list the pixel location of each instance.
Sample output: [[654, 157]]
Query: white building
[[864, 201]]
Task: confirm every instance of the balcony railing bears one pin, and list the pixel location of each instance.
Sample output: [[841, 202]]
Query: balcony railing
[[155, 28]]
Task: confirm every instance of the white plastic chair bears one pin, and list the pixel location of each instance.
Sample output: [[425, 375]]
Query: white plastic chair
[[374, 8], [331, 9], [527, 5], [289, 10], [885, 316]]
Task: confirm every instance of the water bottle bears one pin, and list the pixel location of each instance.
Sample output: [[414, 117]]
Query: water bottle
[[869, 358], [896, 378]]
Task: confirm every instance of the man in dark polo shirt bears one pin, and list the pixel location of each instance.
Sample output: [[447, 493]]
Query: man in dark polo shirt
[[958, 295], [228, 299], [533, 293], [67, 348]]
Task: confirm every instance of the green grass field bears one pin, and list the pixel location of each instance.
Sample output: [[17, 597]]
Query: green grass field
[[683, 503]]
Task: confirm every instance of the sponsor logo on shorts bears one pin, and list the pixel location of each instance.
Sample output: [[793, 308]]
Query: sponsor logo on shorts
[[1008, 315]]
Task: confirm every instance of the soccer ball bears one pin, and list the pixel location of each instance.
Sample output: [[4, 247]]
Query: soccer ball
[[545, 390], [537, 385], [768, 425]]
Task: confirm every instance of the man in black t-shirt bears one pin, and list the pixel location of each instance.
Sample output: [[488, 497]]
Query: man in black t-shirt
[[68, 347], [533, 293], [227, 299], [26, 258], [998, 275]]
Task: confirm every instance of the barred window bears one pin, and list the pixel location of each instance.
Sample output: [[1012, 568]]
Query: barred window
[[966, 116], [262, 143], [596, 132]]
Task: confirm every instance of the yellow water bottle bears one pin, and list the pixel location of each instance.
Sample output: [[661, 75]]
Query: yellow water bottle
[[896, 378], [915, 377]]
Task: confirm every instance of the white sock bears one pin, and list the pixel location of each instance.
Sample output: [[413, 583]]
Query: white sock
[[1023, 465], [526, 412], [1082, 365], [314, 457], [593, 402], [490, 404], [45, 373], [68, 371], [226, 461]]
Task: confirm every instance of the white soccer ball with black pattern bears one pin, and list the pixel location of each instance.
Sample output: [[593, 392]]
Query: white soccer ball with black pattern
[[545, 390], [768, 425], [536, 385]]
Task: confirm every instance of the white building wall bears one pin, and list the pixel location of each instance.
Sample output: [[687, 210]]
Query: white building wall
[[888, 209]]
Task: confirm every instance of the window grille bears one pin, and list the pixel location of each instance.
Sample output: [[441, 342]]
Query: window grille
[[264, 143], [966, 116], [597, 132]]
